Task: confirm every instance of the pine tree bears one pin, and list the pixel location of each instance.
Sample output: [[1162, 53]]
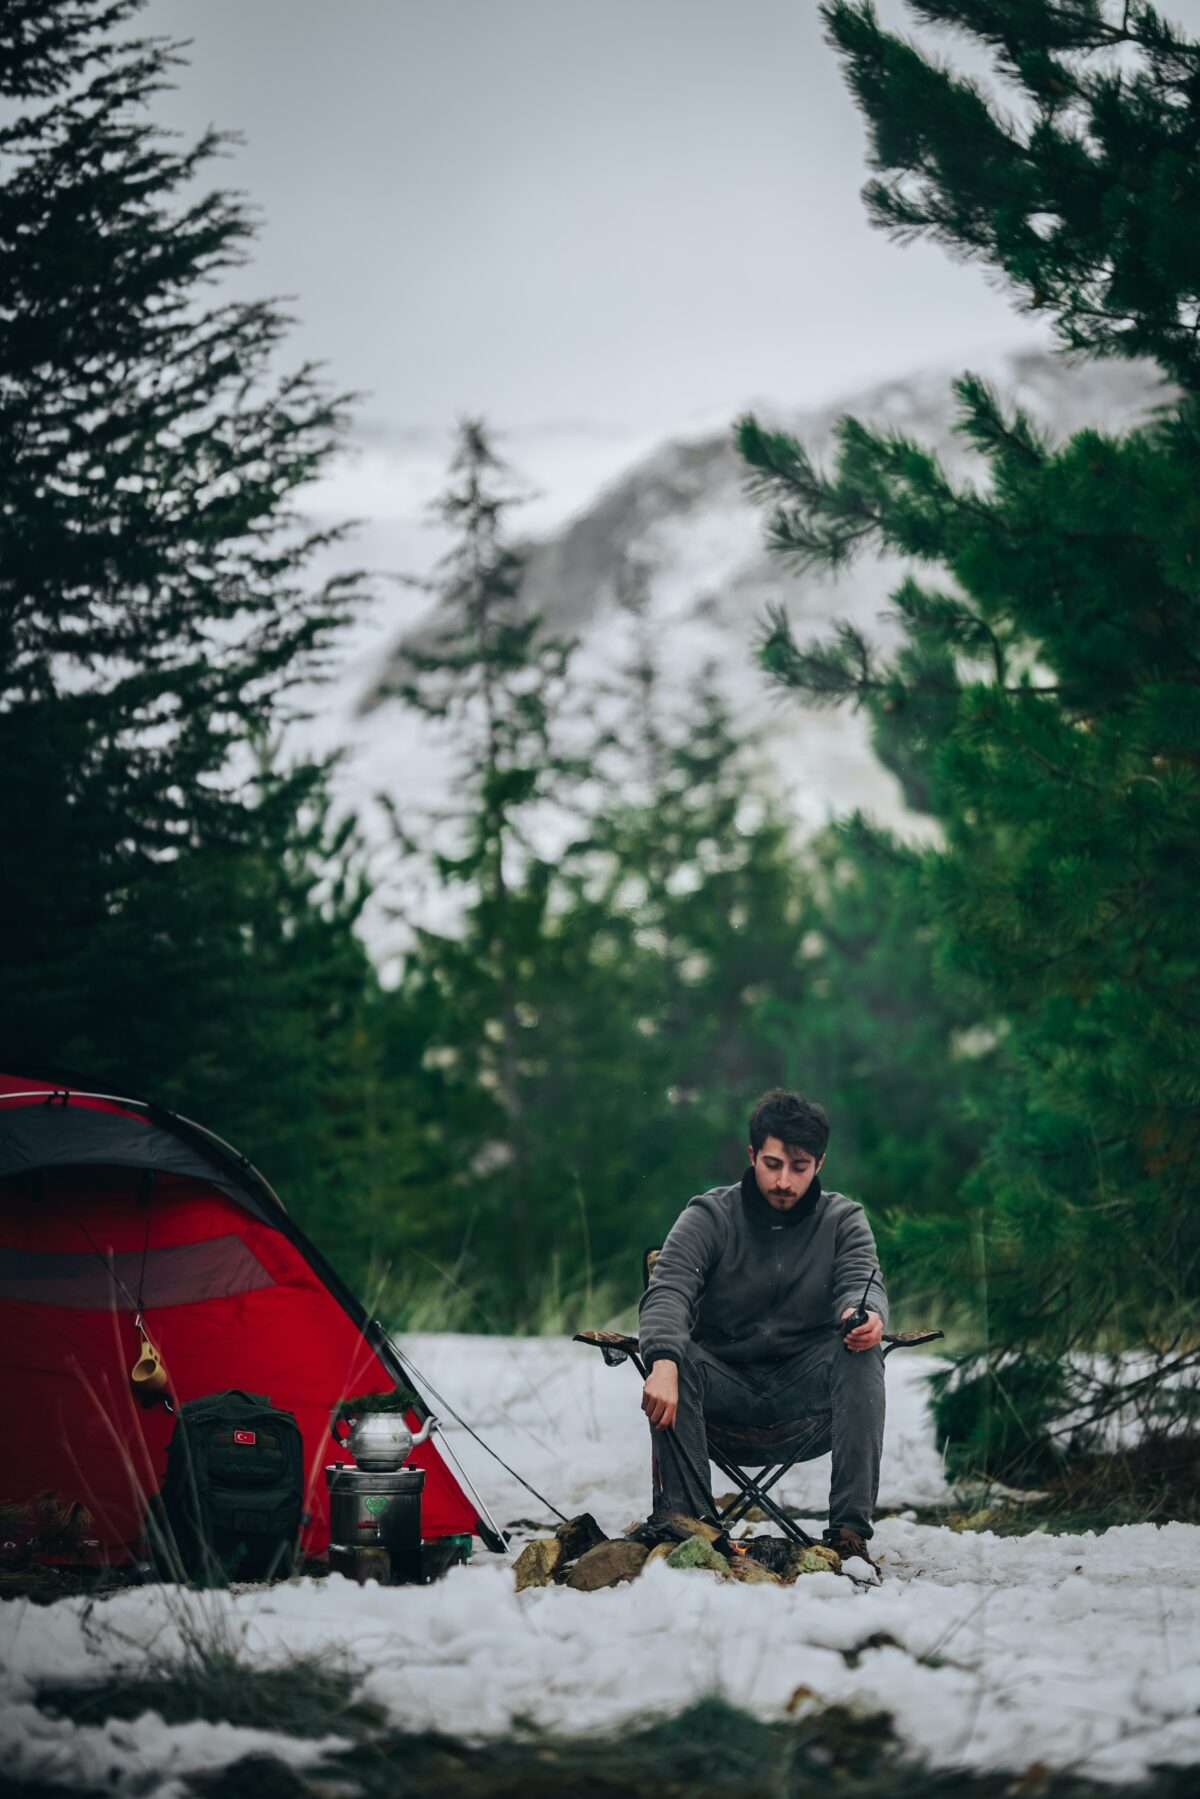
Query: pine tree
[[690, 884], [170, 909], [759, 958], [1073, 194], [1047, 686], [668, 972], [894, 1049], [494, 680]]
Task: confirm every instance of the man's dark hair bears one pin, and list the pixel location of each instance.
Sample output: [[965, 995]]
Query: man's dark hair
[[798, 1123]]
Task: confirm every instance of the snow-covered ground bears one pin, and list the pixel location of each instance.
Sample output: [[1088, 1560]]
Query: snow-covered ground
[[1072, 1652]]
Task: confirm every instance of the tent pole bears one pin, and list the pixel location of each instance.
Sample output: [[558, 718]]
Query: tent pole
[[465, 1480]]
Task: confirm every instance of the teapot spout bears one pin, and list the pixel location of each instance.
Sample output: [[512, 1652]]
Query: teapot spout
[[426, 1430]]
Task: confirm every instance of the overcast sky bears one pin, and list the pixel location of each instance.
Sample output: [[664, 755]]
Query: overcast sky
[[623, 215]]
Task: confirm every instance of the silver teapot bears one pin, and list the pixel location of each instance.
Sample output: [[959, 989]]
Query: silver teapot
[[380, 1441]]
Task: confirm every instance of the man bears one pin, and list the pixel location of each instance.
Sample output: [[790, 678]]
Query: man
[[742, 1325]]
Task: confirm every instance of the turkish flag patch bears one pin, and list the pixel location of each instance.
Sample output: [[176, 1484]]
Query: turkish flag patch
[[245, 1436]]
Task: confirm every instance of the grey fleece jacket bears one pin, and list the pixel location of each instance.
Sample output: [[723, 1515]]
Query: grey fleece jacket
[[755, 1285]]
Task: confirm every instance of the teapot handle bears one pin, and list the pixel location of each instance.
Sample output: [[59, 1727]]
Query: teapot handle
[[333, 1429]]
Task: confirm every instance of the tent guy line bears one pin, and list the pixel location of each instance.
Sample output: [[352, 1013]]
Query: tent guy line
[[429, 1387]]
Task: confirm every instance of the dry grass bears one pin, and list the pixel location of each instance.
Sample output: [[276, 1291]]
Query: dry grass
[[310, 1696]]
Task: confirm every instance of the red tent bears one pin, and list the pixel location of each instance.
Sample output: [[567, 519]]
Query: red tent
[[111, 1207]]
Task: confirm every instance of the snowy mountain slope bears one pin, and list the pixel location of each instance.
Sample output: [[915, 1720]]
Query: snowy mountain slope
[[684, 510], [677, 515]]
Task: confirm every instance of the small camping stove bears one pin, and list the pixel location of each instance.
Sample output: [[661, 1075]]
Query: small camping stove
[[375, 1506]]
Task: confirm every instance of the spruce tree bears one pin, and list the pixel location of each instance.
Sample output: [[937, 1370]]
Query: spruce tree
[[169, 911], [756, 957], [891, 1046], [488, 674], [1046, 686], [686, 950], [690, 883]]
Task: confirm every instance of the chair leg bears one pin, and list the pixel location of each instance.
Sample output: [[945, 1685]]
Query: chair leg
[[737, 1508], [752, 1492], [787, 1525], [745, 1500], [756, 1492]]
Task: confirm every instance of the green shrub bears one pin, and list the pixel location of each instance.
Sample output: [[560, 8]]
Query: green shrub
[[993, 1418]]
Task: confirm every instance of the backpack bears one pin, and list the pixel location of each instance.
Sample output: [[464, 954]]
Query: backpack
[[230, 1507]]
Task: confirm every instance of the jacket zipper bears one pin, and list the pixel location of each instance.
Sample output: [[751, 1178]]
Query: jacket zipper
[[777, 1231]]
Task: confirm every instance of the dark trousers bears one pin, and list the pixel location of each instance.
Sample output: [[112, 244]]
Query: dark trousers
[[825, 1396]]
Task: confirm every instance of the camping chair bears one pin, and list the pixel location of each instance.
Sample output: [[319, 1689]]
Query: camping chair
[[739, 1453]]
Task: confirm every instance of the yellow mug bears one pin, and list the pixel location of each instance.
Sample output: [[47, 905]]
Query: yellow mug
[[148, 1376]]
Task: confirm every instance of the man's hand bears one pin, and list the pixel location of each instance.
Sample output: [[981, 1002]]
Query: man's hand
[[660, 1395], [863, 1336]]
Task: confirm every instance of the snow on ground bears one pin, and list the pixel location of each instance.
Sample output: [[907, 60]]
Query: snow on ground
[[1071, 1651]]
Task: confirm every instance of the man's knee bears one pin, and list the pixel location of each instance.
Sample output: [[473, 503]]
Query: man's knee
[[858, 1371]]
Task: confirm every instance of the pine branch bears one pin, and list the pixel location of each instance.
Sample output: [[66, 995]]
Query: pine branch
[[826, 673], [1073, 209]]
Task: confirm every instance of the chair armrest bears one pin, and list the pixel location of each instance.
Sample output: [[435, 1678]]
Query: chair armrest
[[909, 1339], [614, 1346]]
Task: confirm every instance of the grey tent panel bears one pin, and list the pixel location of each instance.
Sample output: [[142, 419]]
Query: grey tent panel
[[34, 1137], [179, 1275]]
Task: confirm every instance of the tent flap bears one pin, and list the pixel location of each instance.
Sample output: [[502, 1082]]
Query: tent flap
[[41, 1136]]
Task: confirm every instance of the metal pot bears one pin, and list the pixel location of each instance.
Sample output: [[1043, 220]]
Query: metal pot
[[368, 1509]]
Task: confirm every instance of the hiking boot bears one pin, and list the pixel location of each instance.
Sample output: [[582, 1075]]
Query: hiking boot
[[855, 1556]]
